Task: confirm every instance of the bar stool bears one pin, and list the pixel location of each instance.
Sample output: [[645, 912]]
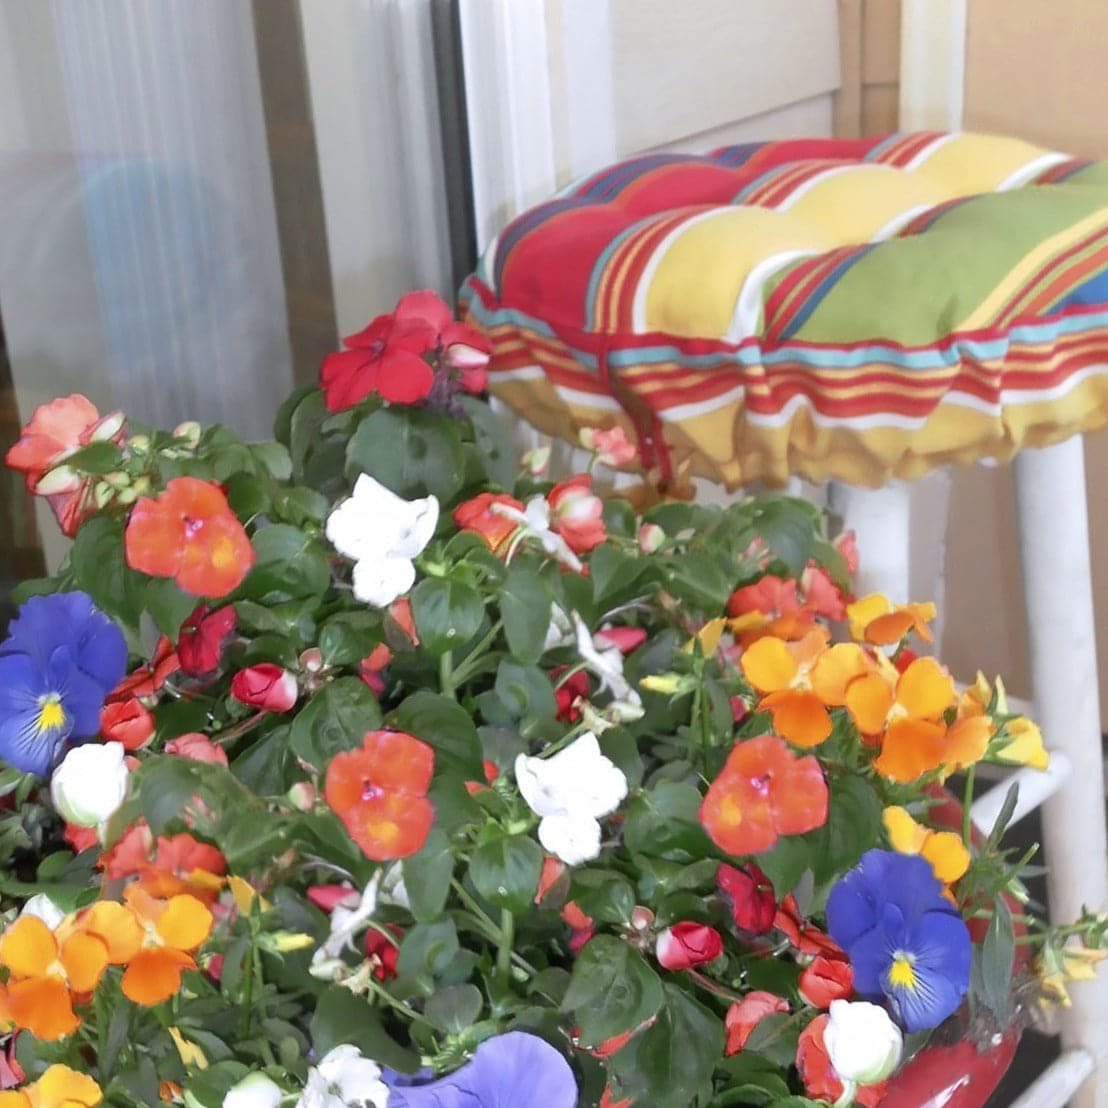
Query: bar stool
[[856, 312]]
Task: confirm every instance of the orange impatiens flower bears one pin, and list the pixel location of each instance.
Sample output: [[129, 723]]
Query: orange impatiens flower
[[480, 516], [189, 533], [379, 791], [908, 712], [168, 865], [763, 791], [877, 620], [801, 681], [46, 968], [58, 1087], [169, 933]]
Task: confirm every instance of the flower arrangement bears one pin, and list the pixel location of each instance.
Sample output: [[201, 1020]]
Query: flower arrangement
[[365, 767]]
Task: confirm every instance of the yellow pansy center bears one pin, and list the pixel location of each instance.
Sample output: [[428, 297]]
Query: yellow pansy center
[[51, 714], [902, 974]]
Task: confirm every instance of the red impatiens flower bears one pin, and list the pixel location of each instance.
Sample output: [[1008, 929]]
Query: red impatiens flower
[[770, 596], [189, 533], [379, 791], [202, 637], [569, 692], [479, 516], [805, 936], [56, 431], [197, 748], [127, 722], [383, 952], [148, 678], [743, 1017], [265, 686], [687, 944], [821, 1082], [387, 357], [764, 791], [577, 514], [826, 979], [749, 892]]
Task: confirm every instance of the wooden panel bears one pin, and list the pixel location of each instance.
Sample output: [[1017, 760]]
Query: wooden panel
[[1038, 71], [867, 102], [881, 42], [880, 109], [683, 69]]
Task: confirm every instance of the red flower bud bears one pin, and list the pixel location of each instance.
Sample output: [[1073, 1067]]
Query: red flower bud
[[749, 892], [265, 686], [328, 897], [126, 722], [826, 979], [742, 1018], [687, 944], [202, 637]]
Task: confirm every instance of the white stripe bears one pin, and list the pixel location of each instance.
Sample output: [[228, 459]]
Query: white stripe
[[523, 373], [690, 411], [747, 318], [1033, 168], [588, 399], [899, 221]]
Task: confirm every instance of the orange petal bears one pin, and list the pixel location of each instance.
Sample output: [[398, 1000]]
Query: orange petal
[[911, 748], [966, 742], [155, 975], [61, 1087], [798, 716], [864, 611], [28, 947], [116, 925], [85, 958], [889, 628], [925, 690], [868, 700], [185, 923], [835, 669], [43, 1006], [947, 854], [15, 1099], [769, 665], [153, 540], [905, 835]]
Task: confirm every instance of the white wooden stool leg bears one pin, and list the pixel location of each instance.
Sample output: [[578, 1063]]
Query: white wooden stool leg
[[1054, 543], [881, 519]]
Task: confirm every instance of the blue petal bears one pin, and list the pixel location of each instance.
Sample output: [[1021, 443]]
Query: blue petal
[[82, 699], [941, 944], [22, 682], [870, 960], [852, 909], [26, 748], [508, 1071], [927, 1003]]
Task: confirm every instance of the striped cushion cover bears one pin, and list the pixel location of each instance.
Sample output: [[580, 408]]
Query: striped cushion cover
[[856, 309]]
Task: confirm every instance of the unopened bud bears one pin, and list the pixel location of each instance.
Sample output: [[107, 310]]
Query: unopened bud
[[60, 479], [188, 432], [311, 660], [103, 494], [284, 942], [642, 919], [651, 538], [139, 444], [302, 796]]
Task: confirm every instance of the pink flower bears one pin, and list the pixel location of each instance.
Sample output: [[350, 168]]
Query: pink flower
[[742, 1018], [197, 748], [265, 686], [328, 897], [650, 538], [625, 639], [577, 514], [687, 944], [821, 595], [848, 548], [771, 596], [202, 637], [612, 447], [826, 979]]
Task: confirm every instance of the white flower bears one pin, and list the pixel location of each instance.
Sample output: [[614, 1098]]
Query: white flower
[[608, 667], [42, 907], [352, 915], [382, 533], [569, 792], [90, 784], [559, 631], [344, 1079], [255, 1090], [862, 1042], [535, 522]]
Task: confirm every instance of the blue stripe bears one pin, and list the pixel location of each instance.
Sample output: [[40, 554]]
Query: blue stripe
[[820, 291], [734, 157], [881, 147]]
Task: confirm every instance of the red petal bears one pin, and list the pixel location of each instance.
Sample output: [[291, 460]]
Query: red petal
[[403, 377]]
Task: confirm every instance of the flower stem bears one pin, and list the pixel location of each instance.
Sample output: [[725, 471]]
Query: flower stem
[[476, 655], [446, 674], [712, 986], [967, 803], [241, 729], [504, 947]]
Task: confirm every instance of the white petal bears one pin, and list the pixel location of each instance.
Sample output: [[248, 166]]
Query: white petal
[[573, 839], [576, 781], [380, 580]]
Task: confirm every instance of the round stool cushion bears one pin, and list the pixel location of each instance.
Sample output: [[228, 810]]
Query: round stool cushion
[[850, 309]]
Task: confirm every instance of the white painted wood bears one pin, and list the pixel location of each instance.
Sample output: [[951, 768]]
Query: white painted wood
[[682, 69], [932, 64], [1058, 1082], [881, 520], [1035, 788], [1054, 544], [506, 59], [589, 99]]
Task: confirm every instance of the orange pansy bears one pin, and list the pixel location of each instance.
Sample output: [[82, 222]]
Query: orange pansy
[[763, 791], [945, 850], [801, 680], [876, 619], [189, 533], [379, 793], [58, 1087], [172, 930]]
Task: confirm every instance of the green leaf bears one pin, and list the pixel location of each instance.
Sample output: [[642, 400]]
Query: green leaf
[[448, 728], [428, 949], [290, 564], [100, 570], [664, 822], [525, 600], [282, 422], [612, 991], [427, 876], [341, 1017], [525, 691], [853, 826], [274, 457], [997, 953], [493, 437], [602, 894], [505, 870], [348, 637], [786, 526], [168, 606], [699, 578], [96, 459], [455, 1008], [447, 613], [412, 451], [337, 718], [670, 1063]]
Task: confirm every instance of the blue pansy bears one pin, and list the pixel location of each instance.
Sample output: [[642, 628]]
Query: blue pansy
[[60, 660], [907, 944], [514, 1070]]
